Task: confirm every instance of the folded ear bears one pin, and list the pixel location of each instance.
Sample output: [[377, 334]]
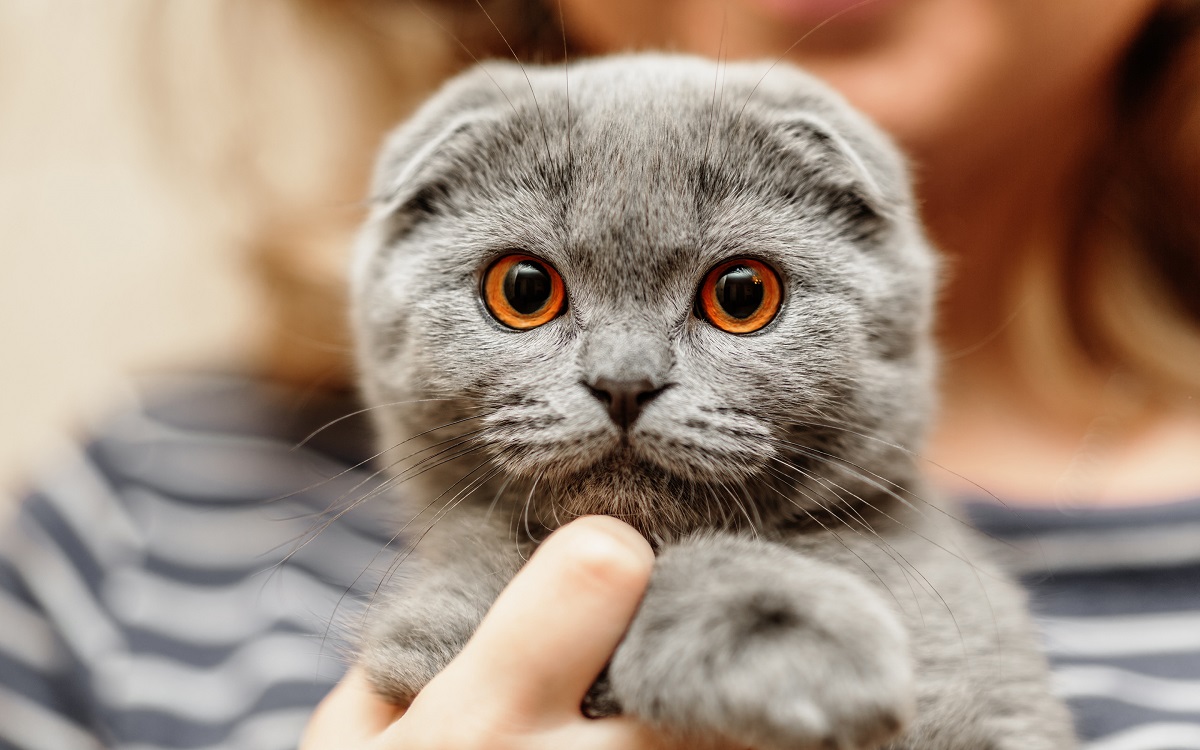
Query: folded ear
[[844, 178], [420, 160], [418, 170], [823, 145], [425, 162]]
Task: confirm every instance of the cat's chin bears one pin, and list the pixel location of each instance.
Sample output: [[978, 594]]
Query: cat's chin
[[635, 491]]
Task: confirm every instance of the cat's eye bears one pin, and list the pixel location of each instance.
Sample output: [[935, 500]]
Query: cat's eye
[[523, 292], [740, 296]]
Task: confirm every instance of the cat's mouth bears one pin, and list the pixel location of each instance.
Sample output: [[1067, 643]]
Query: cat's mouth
[[706, 457]]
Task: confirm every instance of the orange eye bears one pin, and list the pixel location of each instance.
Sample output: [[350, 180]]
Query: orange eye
[[740, 296], [523, 292]]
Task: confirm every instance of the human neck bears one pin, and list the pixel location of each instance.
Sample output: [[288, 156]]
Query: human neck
[[1012, 201], [1094, 437], [989, 213]]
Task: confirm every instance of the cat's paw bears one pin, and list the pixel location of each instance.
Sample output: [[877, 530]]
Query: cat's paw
[[402, 660], [600, 701], [412, 640], [778, 654]]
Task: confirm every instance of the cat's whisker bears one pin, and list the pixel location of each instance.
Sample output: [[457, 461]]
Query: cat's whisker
[[439, 458], [455, 452], [528, 501], [459, 497], [812, 494], [313, 533], [742, 507], [554, 515], [857, 472], [854, 515], [878, 542], [470, 53], [384, 486], [958, 553], [920, 457], [562, 25], [439, 514], [525, 519], [829, 530], [388, 572], [487, 516], [878, 482], [857, 432], [374, 457], [837, 462], [521, 65], [375, 407], [446, 508], [793, 46], [390, 467], [712, 107]]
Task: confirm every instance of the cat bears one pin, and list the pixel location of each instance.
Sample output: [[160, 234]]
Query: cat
[[695, 297]]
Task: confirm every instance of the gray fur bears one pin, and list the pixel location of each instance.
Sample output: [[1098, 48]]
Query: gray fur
[[808, 592]]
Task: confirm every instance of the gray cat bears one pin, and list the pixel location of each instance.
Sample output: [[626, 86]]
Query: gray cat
[[694, 297]]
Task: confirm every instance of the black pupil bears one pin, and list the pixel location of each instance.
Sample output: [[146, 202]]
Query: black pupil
[[739, 292], [527, 287]]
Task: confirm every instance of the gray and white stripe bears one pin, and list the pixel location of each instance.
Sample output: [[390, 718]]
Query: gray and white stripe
[[147, 595], [148, 599]]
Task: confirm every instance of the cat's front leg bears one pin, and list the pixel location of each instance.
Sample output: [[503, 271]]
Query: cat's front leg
[[745, 640], [414, 632]]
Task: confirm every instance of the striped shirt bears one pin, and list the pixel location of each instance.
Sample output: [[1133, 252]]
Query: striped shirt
[[1116, 593], [147, 594], [164, 587]]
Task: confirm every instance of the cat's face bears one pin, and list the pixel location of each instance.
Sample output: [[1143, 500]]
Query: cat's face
[[705, 294]]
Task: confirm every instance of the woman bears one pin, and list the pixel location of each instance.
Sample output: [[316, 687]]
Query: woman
[[1057, 154], [1026, 123]]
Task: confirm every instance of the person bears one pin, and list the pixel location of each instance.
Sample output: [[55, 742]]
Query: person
[[1057, 158]]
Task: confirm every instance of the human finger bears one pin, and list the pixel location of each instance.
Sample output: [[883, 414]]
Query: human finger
[[555, 626], [350, 715], [628, 733]]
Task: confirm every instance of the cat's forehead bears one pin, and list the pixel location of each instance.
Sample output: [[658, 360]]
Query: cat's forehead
[[666, 105], [639, 120], [627, 210], [635, 169], [655, 162], [632, 124]]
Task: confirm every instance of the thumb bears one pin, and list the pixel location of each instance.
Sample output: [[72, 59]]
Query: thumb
[[555, 626], [349, 716]]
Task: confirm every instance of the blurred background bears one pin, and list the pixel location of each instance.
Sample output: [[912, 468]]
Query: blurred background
[[180, 182], [112, 265], [179, 185]]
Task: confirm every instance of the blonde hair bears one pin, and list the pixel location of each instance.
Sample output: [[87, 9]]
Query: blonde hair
[[1123, 298], [314, 84]]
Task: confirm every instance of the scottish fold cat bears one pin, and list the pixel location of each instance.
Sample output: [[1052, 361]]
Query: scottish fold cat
[[695, 297]]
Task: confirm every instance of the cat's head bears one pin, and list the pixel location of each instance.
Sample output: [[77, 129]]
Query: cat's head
[[677, 292]]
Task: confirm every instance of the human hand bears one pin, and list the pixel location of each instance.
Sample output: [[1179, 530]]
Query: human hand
[[520, 680]]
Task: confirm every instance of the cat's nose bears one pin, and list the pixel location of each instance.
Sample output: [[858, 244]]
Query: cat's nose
[[624, 398]]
